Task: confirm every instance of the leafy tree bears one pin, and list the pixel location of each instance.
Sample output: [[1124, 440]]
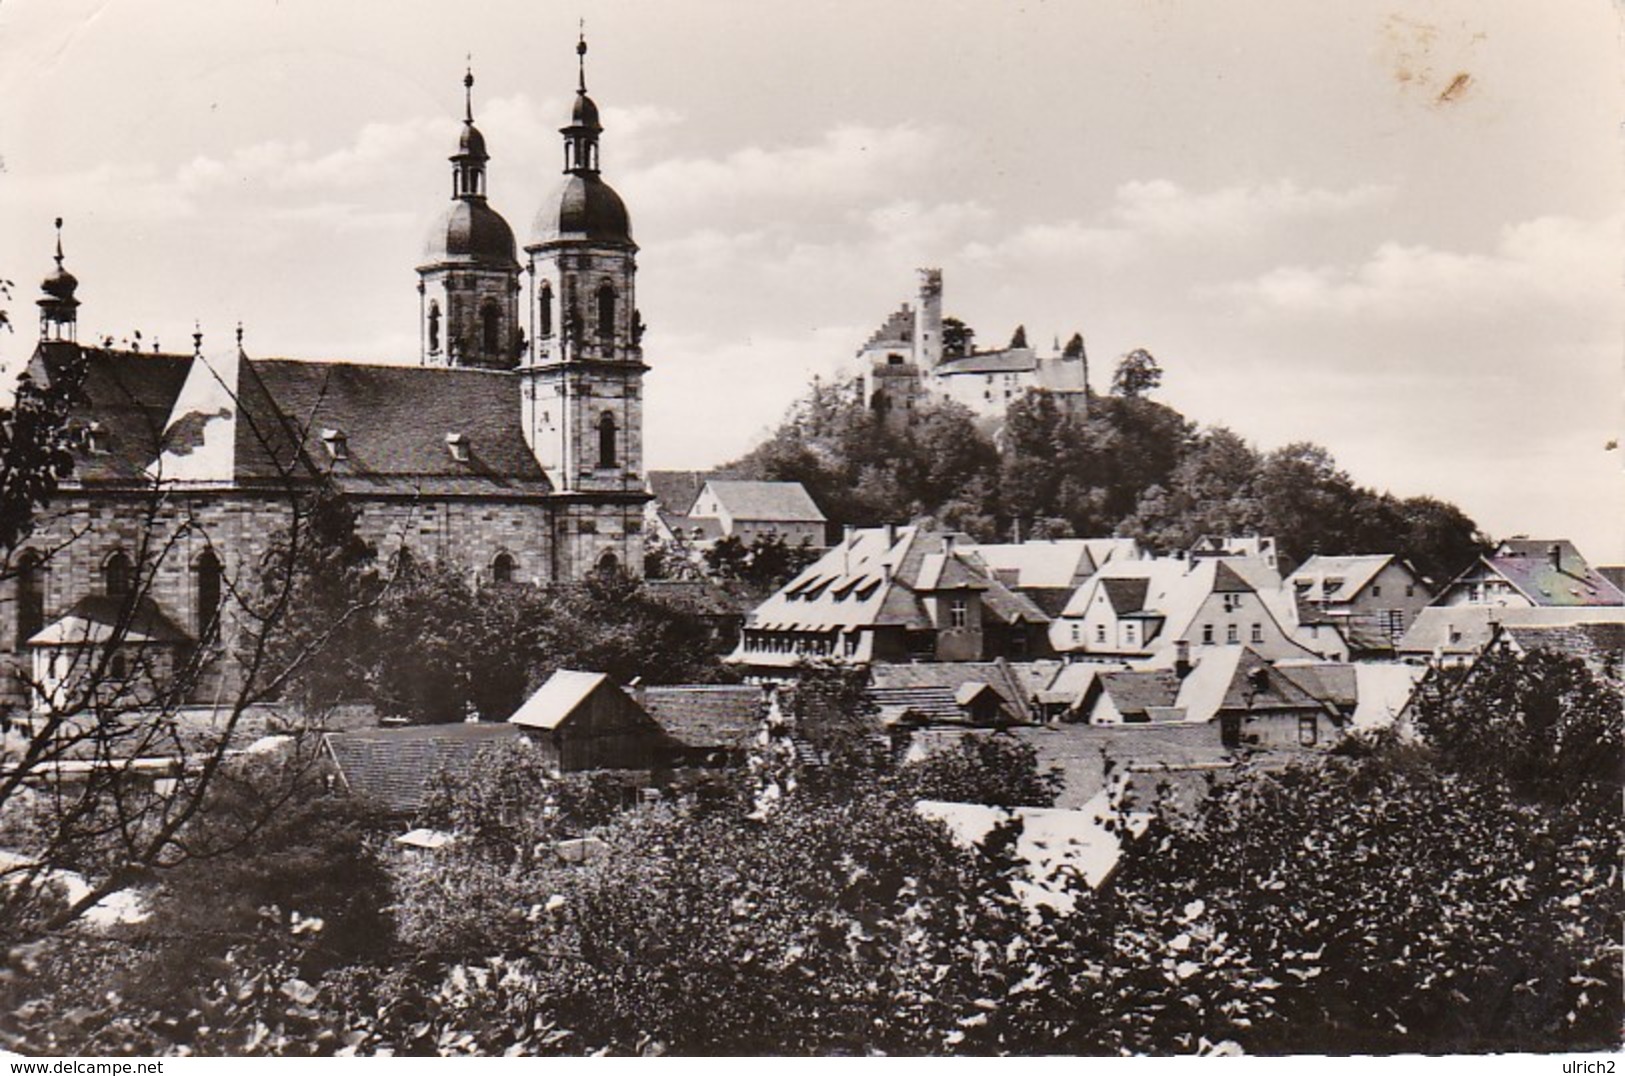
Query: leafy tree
[[325, 575], [997, 770], [1137, 374], [958, 339], [1074, 347], [1019, 337], [35, 448]]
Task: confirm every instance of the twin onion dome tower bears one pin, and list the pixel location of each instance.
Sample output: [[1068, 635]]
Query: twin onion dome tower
[[565, 320]]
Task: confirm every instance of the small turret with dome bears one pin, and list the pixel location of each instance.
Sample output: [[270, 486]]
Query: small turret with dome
[[58, 309], [469, 279], [583, 207]]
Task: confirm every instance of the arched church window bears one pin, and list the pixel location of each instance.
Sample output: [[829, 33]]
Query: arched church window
[[206, 593], [544, 310], [608, 564], [606, 311], [491, 328], [30, 597], [606, 440], [502, 568], [434, 325], [118, 574]]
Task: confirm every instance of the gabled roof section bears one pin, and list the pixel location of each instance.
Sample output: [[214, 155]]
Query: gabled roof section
[[556, 701], [1550, 572], [93, 620], [675, 491], [395, 766], [1126, 595], [897, 331], [1058, 563], [767, 502], [1600, 646], [1464, 629], [1017, 360], [394, 421], [707, 716], [1136, 694], [1338, 579], [130, 395]]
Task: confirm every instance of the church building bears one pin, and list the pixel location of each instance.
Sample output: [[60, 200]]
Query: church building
[[513, 450]]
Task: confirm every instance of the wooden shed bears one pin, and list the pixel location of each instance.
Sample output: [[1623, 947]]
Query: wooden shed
[[584, 721]]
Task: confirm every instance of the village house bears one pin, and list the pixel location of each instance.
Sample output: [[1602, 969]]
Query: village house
[[892, 594], [1050, 570], [1372, 600], [1135, 610], [1449, 635], [749, 510], [1527, 572]]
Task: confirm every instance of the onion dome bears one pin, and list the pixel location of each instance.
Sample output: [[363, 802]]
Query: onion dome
[[59, 285], [583, 208], [471, 231]]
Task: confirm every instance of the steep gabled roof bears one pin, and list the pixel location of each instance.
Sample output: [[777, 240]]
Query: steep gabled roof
[[1600, 646], [675, 491], [558, 699], [1126, 595], [1338, 579], [765, 502], [129, 394], [1017, 360], [1136, 694]]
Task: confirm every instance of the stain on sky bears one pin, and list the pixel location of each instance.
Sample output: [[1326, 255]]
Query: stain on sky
[[1419, 51]]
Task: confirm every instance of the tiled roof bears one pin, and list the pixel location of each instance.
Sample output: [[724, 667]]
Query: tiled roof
[[931, 705], [1080, 752], [949, 676], [1464, 629], [93, 619], [1527, 564], [693, 528], [706, 716], [395, 420], [1009, 361], [1614, 573], [1136, 693], [394, 766], [1126, 595], [130, 395], [767, 502], [1600, 646], [675, 490], [1052, 564], [226, 419], [1338, 579]]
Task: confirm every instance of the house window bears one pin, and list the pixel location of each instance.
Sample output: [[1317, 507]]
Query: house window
[[1232, 633], [118, 574], [1376, 591], [1077, 633], [30, 598], [1100, 633], [434, 326], [1207, 634], [606, 312], [544, 310], [1393, 622], [1308, 730], [606, 440], [502, 568], [1258, 633], [206, 595], [1410, 590], [958, 613]]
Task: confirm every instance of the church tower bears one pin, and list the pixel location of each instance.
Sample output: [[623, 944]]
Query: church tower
[[468, 284], [583, 372]]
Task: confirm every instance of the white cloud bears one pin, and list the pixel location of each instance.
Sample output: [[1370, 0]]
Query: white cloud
[[1164, 208], [1553, 261]]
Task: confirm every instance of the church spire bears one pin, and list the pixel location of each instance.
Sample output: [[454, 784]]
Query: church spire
[[468, 163], [58, 309], [581, 137]]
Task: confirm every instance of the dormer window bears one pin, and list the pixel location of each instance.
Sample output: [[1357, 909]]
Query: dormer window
[[457, 445], [96, 439], [337, 445]]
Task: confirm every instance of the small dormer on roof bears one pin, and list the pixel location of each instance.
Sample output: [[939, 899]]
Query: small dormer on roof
[[457, 445], [336, 443]]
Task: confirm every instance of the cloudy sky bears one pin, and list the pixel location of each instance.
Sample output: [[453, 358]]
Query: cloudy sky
[[1391, 229]]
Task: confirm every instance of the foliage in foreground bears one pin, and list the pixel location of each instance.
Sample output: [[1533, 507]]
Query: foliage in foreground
[[1395, 897]]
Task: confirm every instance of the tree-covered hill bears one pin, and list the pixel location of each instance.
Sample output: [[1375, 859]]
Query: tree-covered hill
[[1131, 466]]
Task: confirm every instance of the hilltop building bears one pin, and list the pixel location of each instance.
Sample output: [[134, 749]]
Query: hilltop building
[[513, 448], [907, 362]]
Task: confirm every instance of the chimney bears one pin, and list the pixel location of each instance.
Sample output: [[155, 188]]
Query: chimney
[[948, 543], [1554, 553], [1182, 658], [636, 690], [891, 535]]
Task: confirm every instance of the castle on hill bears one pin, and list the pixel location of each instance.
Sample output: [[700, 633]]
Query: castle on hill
[[916, 357]]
